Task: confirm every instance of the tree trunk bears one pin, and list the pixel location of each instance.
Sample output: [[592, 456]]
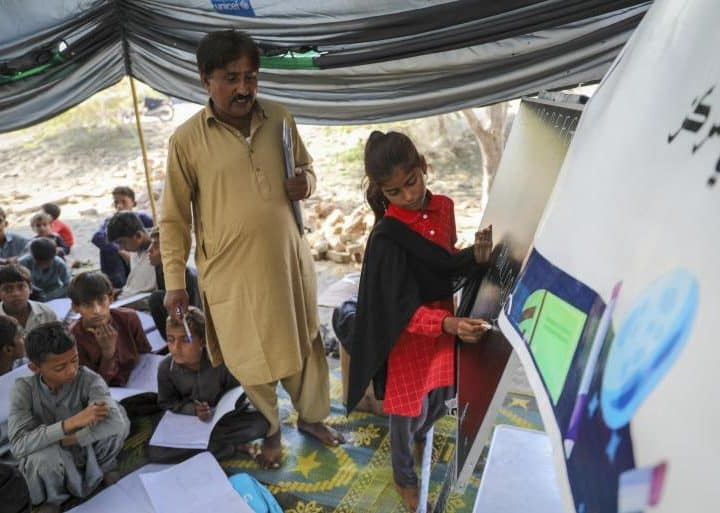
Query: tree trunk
[[491, 140], [442, 127]]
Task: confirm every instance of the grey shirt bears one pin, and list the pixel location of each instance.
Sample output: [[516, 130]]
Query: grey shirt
[[39, 314], [178, 386], [53, 281], [36, 413], [13, 246]]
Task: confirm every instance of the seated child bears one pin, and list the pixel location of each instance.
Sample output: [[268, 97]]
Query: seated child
[[12, 245], [12, 345], [114, 262], [50, 276], [40, 223], [157, 298], [110, 340], [189, 384], [64, 427], [57, 226], [15, 288], [127, 231]]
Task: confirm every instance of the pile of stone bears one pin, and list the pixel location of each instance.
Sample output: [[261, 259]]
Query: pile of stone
[[336, 235]]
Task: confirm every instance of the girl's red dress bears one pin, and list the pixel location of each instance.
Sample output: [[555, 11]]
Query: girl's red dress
[[423, 357]]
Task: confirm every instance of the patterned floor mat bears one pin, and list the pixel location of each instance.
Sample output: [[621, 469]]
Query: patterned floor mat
[[353, 478]]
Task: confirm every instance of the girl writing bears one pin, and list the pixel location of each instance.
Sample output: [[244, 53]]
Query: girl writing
[[404, 333]]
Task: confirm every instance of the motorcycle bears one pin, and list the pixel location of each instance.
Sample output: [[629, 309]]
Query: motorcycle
[[159, 108]]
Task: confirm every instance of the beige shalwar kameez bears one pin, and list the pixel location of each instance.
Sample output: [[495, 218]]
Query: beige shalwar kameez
[[255, 270]]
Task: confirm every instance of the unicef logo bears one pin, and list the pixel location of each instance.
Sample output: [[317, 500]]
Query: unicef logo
[[234, 7]]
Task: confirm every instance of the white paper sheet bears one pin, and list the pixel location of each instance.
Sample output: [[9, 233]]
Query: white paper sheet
[[61, 307], [143, 378], [196, 485], [188, 431], [157, 343], [147, 321], [6, 384], [127, 495]]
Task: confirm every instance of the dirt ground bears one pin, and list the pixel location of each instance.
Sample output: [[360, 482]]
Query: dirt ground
[[77, 158]]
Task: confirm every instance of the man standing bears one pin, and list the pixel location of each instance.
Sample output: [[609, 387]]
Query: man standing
[[225, 173]]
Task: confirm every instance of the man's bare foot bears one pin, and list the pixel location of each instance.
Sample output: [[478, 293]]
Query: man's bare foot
[[322, 432], [245, 448], [271, 453]]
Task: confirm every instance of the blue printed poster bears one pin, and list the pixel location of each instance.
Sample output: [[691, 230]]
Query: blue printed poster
[[615, 312]]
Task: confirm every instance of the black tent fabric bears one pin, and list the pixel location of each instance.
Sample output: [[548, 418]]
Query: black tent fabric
[[369, 61]]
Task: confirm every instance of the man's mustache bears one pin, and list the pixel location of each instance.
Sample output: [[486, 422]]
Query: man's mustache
[[242, 97]]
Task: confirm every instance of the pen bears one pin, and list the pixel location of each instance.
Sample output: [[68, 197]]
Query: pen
[[595, 350], [185, 325]]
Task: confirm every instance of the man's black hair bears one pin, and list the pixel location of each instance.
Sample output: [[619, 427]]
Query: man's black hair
[[218, 49], [52, 209], [87, 287], [123, 224], [9, 328], [46, 339], [123, 190], [13, 273], [43, 249]]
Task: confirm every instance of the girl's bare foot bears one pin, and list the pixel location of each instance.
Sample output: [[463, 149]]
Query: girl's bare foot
[[410, 496]]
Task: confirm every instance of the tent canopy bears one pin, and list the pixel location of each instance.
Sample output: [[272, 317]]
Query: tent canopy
[[332, 62]]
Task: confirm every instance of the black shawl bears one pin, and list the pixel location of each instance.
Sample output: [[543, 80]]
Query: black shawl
[[401, 271]]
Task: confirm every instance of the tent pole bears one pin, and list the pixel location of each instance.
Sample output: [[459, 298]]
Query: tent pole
[[144, 150]]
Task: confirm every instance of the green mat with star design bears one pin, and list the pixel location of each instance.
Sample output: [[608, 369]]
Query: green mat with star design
[[353, 478]]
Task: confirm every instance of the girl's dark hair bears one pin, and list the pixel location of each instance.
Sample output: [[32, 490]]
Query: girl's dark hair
[[9, 328], [87, 287], [218, 49], [383, 153], [46, 339]]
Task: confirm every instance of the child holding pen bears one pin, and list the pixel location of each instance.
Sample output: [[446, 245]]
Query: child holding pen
[[188, 384]]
